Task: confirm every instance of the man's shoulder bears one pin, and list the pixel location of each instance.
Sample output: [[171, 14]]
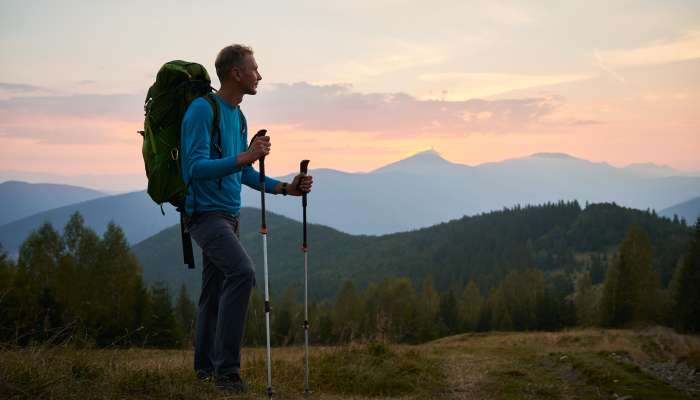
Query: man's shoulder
[[199, 108]]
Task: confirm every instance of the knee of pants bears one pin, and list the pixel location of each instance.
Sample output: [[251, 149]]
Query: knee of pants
[[246, 270]]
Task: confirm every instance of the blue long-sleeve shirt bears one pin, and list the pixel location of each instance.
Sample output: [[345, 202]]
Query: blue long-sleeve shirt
[[201, 165]]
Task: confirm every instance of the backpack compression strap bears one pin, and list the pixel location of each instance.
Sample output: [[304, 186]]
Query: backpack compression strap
[[215, 128]]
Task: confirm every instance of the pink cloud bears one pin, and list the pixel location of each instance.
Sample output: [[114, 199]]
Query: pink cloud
[[338, 108]]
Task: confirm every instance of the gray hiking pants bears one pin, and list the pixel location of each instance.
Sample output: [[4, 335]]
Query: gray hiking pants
[[228, 277]]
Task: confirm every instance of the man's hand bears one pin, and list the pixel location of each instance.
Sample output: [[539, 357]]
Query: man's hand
[[301, 184], [258, 149]]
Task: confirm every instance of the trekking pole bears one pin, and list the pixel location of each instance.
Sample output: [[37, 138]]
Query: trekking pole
[[263, 232], [303, 168]]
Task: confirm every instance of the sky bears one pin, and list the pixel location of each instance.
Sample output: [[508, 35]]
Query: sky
[[354, 85]]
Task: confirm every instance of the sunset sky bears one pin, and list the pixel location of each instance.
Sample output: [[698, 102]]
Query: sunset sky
[[354, 85]]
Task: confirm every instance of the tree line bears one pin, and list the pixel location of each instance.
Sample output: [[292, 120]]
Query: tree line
[[86, 289], [620, 291]]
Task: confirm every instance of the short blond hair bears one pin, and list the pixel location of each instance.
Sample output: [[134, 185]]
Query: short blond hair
[[229, 57]]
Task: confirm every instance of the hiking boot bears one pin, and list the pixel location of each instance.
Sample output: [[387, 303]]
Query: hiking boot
[[204, 375], [231, 383]]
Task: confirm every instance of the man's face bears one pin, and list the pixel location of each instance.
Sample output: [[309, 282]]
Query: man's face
[[248, 76]]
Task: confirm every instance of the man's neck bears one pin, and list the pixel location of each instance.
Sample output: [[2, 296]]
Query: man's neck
[[232, 96]]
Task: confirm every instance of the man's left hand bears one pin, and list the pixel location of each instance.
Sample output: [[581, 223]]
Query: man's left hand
[[301, 184]]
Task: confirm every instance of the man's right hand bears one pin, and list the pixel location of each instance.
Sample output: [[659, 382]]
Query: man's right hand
[[258, 149]]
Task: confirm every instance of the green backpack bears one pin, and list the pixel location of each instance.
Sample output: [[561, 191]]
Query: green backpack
[[177, 84]]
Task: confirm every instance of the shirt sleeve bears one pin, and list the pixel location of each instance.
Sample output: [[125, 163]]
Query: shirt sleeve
[[251, 178], [196, 145]]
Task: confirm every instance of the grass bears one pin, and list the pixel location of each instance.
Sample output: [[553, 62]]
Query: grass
[[566, 365], [379, 370]]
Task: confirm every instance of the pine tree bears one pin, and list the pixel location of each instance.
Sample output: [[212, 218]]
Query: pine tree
[[325, 324], [427, 310], [597, 268], [500, 314], [286, 319], [630, 291], [449, 312], [346, 314], [518, 299], [118, 275], [8, 298], [686, 287], [162, 327], [77, 285], [255, 320], [470, 306], [185, 314], [585, 300], [39, 258]]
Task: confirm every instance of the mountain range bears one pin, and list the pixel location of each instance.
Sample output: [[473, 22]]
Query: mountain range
[[413, 193], [688, 210], [134, 212], [21, 199], [426, 189]]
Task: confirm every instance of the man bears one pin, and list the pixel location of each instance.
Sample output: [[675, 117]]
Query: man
[[213, 203]]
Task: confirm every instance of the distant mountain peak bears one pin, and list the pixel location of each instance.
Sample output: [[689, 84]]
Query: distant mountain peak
[[426, 160], [559, 156], [430, 151], [430, 154]]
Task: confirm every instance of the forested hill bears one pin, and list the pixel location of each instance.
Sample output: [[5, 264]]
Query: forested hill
[[560, 236]]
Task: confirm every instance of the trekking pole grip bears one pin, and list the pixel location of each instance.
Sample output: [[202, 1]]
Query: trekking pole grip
[[261, 133], [304, 169], [263, 224]]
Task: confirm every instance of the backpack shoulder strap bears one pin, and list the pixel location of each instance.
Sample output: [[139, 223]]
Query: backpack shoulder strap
[[216, 127], [244, 125]]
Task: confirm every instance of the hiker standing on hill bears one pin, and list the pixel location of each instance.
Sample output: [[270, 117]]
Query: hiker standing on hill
[[213, 204]]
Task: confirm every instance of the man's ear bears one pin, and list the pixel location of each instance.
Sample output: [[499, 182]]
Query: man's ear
[[235, 74]]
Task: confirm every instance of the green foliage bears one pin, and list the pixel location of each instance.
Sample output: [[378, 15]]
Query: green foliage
[[81, 288], [186, 315], [346, 314], [88, 289], [586, 300], [255, 320], [514, 302], [470, 306], [288, 317], [630, 293], [686, 287], [483, 248], [9, 300], [449, 312], [164, 331]]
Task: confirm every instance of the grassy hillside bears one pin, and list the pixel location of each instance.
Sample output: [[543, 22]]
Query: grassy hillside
[[586, 364], [484, 247]]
